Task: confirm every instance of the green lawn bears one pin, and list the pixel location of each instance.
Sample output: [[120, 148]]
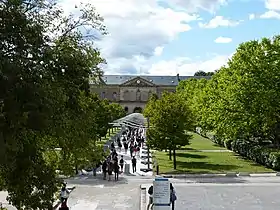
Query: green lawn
[[200, 143], [191, 160], [107, 137]]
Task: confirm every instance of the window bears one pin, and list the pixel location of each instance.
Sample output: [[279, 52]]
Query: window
[[115, 96], [102, 95], [138, 95]]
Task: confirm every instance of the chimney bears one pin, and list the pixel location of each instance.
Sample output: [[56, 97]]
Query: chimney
[[178, 78]]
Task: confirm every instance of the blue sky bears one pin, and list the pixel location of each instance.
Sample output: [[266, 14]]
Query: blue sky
[[179, 36]]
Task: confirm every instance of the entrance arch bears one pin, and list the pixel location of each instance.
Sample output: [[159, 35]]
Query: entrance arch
[[137, 109]]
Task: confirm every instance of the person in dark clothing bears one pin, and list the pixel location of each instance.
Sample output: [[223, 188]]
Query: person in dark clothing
[[104, 169], [173, 196], [134, 161], [112, 146], [125, 145], [116, 171], [131, 150], [120, 146], [110, 171]]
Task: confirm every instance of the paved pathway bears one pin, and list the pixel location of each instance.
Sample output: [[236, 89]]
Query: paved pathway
[[248, 193], [226, 196]]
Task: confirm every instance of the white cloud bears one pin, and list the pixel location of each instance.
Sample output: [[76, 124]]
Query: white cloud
[[139, 30], [270, 15], [158, 51], [223, 40], [195, 5], [185, 66], [219, 21], [252, 16], [272, 4]]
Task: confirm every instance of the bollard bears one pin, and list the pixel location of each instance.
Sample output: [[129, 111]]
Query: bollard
[[157, 170]]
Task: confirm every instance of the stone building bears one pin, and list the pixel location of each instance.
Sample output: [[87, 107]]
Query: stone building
[[133, 92]]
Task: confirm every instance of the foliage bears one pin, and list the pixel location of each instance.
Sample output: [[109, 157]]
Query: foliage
[[241, 100], [203, 73], [45, 102], [169, 117], [227, 143], [265, 156]]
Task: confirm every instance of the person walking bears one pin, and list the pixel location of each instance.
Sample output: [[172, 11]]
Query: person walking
[[110, 171], [116, 170], [121, 163], [173, 196], [64, 194], [151, 202], [131, 149], [134, 161], [104, 169], [125, 145]]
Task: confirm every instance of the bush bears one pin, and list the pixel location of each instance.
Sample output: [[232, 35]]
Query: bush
[[257, 153], [218, 140], [227, 143]]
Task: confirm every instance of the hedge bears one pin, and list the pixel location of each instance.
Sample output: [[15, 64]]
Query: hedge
[[257, 153]]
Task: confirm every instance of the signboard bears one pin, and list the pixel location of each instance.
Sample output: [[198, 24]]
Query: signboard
[[161, 194]]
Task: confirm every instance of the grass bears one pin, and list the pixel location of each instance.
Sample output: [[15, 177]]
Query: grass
[[107, 137], [191, 160], [200, 143]]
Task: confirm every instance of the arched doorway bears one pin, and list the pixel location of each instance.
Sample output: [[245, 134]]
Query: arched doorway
[[137, 110], [126, 109]]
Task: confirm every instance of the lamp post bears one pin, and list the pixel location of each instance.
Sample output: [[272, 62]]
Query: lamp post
[[148, 121]]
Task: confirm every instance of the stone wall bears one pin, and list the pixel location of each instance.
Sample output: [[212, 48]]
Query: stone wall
[[128, 96]]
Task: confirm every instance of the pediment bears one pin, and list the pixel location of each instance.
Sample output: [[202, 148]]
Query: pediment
[[138, 82]]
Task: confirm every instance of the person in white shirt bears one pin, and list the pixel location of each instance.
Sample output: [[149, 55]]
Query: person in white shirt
[[64, 193]]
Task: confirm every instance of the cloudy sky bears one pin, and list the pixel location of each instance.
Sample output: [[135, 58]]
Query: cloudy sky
[[166, 37]]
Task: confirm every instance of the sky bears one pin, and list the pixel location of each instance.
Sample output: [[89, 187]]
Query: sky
[[167, 37]]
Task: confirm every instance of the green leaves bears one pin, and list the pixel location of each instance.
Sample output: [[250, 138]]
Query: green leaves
[[242, 99], [45, 101], [169, 117]]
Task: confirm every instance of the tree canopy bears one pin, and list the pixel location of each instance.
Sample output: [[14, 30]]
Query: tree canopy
[[242, 99], [45, 101], [203, 73], [169, 118]]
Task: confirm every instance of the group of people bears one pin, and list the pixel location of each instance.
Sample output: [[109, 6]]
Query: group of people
[[112, 164], [130, 139]]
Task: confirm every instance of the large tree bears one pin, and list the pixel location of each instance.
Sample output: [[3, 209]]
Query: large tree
[[170, 119], [241, 100], [44, 95]]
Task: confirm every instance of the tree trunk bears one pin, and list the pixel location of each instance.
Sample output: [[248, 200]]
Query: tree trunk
[[170, 154], [76, 169], [109, 131], [174, 159], [165, 150]]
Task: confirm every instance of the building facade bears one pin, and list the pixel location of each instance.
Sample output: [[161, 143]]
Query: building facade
[[133, 92]]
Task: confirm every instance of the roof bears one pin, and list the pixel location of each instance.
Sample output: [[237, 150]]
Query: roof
[[157, 80]]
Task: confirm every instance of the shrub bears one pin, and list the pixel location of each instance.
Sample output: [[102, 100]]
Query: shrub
[[227, 143], [257, 153], [218, 140]]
